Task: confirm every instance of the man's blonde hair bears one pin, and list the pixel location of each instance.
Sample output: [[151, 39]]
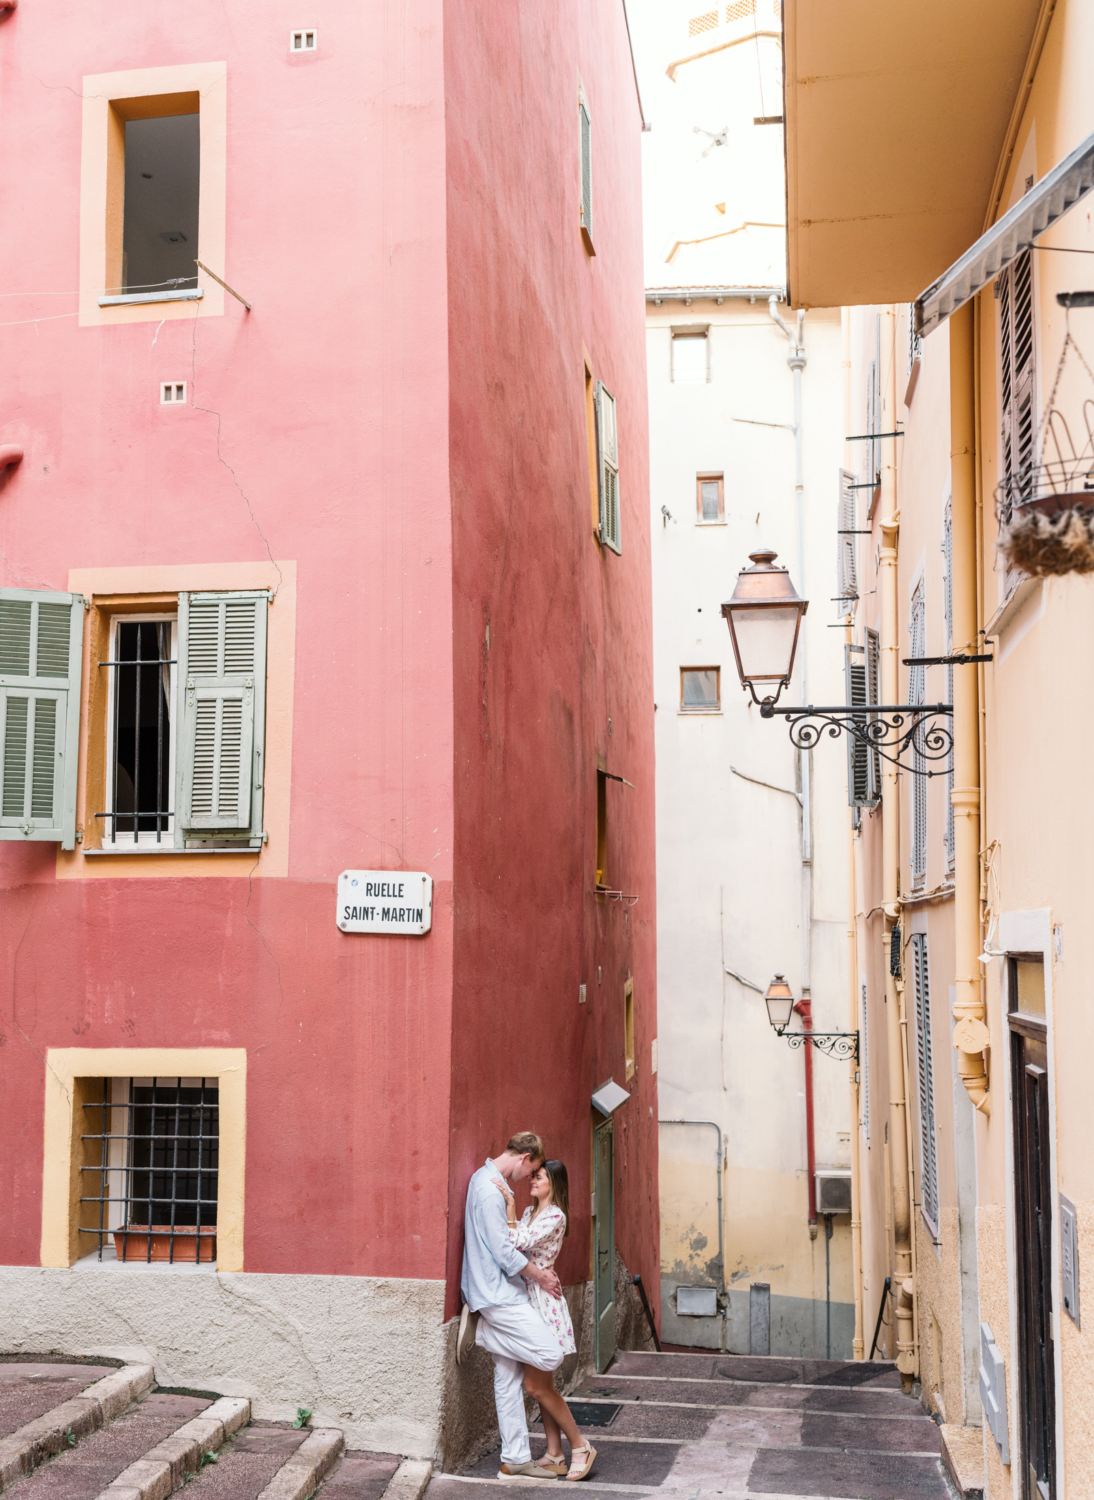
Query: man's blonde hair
[[527, 1142]]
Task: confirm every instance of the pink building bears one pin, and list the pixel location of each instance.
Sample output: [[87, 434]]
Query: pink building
[[354, 579]]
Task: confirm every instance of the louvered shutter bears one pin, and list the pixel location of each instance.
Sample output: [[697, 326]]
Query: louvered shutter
[[865, 1066], [221, 715], [928, 1151], [858, 773], [41, 641], [846, 552], [947, 554], [1016, 347], [586, 171], [873, 686], [916, 691], [608, 455]]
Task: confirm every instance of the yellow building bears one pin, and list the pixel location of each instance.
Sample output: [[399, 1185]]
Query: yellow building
[[938, 162]]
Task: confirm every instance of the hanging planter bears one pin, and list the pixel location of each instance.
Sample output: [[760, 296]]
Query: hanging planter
[[1046, 510]]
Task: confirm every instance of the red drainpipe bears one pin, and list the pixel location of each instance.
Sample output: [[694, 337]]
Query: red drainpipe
[[804, 1009]]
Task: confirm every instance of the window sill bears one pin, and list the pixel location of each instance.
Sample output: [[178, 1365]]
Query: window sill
[[110, 1262], [712, 523], [699, 713], [133, 299], [142, 849]]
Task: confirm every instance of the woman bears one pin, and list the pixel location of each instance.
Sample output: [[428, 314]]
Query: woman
[[539, 1235]]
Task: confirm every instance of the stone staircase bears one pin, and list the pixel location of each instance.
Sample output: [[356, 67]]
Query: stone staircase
[[693, 1426], [94, 1432]]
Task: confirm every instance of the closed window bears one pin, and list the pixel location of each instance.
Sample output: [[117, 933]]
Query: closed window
[[690, 365], [710, 504], [607, 441], [846, 548], [700, 690], [585, 151]]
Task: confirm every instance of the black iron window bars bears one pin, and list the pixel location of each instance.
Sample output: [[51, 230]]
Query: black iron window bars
[[155, 1156], [139, 768]]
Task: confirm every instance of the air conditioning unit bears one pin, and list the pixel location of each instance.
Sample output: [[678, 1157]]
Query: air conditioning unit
[[834, 1190], [697, 1301]]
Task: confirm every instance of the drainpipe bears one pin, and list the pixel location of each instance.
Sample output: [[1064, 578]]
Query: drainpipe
[[890, 813], [854, 1071], [970, 1035], [796, 360]]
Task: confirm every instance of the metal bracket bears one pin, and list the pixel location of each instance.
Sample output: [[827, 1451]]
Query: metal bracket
[[838, 1044], [900, 732]]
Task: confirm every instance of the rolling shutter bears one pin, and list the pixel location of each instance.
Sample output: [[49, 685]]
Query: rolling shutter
[[221, 716], [928, 1151], [41, 641], [846, 552], [586, 171], [608, 456]]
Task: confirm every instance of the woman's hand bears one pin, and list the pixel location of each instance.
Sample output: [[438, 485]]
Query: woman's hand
[[510, 1202]]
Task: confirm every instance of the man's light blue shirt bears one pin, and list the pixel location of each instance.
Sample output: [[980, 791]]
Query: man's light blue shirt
[[491, 1263]]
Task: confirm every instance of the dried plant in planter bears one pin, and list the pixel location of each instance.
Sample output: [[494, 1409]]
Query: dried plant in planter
[[1046, 546], [1046, 508]]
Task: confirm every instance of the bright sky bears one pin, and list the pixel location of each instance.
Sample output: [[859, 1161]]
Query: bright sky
[[682, 187]]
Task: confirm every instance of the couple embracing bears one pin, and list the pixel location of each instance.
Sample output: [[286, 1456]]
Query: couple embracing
[[513, 1303]]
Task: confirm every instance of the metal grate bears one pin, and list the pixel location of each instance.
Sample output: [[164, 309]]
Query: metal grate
[[140, 731], [153, 1160]]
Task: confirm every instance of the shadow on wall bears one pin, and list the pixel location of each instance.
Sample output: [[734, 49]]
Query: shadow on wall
[[469, 1428]]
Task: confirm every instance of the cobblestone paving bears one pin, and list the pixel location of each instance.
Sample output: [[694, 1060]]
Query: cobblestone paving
[[699, 1426]]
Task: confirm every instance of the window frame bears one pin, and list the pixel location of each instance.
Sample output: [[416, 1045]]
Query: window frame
[[691, 711], [585, 170], [928, 1118], [687, 331], [708, 478], [148, 839]]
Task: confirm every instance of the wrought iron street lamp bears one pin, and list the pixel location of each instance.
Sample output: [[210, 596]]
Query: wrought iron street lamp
[[781, 1005], [764, 616]]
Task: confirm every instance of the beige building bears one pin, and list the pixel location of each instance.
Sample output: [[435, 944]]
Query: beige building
[[938, 164]]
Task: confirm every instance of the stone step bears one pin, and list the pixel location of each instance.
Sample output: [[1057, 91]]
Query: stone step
[[61, 1427], [28, 1389]]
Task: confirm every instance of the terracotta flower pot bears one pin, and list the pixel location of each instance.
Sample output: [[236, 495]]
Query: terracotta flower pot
[[132, 1243]]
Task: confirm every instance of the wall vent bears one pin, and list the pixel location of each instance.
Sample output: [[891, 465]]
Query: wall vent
[[173, 393], [697, 1301], [303, 41]]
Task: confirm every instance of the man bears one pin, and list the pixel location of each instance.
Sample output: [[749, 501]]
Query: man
[[497, 1314]]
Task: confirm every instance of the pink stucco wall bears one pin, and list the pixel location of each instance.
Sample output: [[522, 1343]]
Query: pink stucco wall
[[400, 205]]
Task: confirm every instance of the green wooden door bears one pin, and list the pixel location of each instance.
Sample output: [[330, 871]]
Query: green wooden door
[[604, 1245]]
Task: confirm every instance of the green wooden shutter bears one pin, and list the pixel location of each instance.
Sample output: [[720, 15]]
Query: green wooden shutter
[[608, 457], [220, 736], [41, 643]]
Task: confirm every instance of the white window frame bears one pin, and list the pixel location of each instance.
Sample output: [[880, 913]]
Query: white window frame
[[700, 331], [303, 32], [701, 708], [146, 839], [173, 393]]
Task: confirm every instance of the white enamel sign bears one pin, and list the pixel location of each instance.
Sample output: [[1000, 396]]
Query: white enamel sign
[[399, 901]]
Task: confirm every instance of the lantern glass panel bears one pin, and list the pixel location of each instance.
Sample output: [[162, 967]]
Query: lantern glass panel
[[766, 639], [780, 1008]]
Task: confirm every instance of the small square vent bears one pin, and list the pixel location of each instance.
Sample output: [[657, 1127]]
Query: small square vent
[[173, 393], [697, 1301], [303, 41]]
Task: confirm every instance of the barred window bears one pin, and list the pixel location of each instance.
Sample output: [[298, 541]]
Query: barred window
[[149, 1169]]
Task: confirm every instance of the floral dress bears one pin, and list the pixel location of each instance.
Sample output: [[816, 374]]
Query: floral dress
[[541, 1239]]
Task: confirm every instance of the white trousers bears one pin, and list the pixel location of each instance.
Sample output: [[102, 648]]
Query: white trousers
[[516, 1336]]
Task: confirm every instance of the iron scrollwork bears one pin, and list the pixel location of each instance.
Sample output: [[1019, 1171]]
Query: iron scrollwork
[[842, 1045], [908, 735]]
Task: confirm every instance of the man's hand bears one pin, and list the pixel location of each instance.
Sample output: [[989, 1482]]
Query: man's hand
[[547, 1279]]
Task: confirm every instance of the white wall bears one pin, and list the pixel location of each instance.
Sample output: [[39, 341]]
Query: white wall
[[729, 851]]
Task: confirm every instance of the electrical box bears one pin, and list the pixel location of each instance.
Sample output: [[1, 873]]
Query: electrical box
[[834, 1190], [1069, 1259], [697, 1301]]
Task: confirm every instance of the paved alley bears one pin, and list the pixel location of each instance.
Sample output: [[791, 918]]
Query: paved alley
[[711, 1424]]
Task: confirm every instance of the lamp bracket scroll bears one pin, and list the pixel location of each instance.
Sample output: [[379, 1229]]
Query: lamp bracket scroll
[[909, 735], [842, 1045]]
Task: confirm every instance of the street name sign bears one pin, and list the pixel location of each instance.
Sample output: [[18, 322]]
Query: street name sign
[[398, 901]]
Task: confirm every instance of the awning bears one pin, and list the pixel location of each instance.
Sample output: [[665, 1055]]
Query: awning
[[1059, 190]]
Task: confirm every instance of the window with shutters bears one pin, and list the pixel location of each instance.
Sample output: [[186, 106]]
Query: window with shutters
[[846, 548], [608, 463], [917, 630], [585, 149], [178, 706], [41, 646], [947, 558], [928, 1148], [1016, 367], [863, 759], [710, 499], [873, 411]]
